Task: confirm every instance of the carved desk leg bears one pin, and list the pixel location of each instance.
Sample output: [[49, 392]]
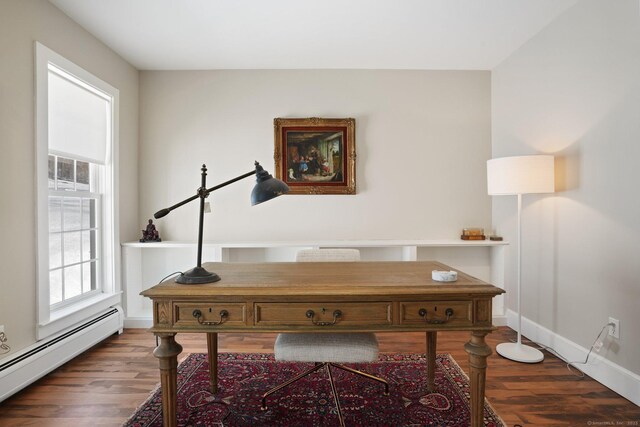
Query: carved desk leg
[[432, 339], [478, 351], [212, 351], [167, 353]]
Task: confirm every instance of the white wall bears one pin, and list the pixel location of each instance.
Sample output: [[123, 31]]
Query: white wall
[[422, 139], [21, 23], [574, 91]]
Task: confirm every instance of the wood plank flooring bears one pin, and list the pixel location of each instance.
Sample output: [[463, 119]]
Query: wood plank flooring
[[105, 385]]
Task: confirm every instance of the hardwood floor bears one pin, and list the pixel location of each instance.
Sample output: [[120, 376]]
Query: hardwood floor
[[105, 385]]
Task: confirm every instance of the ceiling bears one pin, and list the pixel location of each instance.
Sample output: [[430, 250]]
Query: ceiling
[[314, 34]]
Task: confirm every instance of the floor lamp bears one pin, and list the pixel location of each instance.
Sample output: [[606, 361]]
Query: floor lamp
[[517, 176]]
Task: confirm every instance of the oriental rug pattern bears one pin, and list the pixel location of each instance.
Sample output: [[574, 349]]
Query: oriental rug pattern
[[243, 378]]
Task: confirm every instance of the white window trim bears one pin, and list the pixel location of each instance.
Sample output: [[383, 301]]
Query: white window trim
[[50, 322]]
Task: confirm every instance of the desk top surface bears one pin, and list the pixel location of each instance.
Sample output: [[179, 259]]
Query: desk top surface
[[326, 278]]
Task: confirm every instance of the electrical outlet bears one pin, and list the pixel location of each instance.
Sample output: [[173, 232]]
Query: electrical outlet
[[614, 330]]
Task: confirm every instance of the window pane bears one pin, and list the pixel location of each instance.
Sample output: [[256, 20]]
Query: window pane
[[88, 213], [88, 245], [72, 281], [96, 173], [65, 174], [71, 214], [52, 172], [94, 213], [82, 176], [95, 236], [55, 286], [55, 250], [89, 277], [71, 244], [55, 214]]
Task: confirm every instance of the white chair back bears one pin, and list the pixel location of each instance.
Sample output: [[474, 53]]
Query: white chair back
[[328, 255]]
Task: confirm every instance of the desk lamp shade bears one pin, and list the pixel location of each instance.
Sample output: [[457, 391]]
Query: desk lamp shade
[[267, 187], [520, 175], [517, 176]]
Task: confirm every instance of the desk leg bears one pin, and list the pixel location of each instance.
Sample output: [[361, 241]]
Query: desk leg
[[478, 351], [167, 353], [212, 351], [432, 339]]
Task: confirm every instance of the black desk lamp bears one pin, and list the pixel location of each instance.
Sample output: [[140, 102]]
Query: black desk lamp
[[267, 187]]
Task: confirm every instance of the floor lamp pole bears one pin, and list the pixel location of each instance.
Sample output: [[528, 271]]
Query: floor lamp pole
[[519, 268], [518, 351]]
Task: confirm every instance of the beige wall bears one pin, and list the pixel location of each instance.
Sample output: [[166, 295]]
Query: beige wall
[[422, 141], [22, 22], [574, 91]]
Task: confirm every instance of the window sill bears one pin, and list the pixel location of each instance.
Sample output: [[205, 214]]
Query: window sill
[[69, 316]]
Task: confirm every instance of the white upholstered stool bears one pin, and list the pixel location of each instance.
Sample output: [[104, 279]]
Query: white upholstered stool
[[338, 348], [328, 255], [327, 349]]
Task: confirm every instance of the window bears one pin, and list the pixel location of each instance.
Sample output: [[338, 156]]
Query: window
[[74, 230], [77, 221]]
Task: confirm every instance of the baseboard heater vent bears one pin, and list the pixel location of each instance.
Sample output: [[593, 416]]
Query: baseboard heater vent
[[43, 357]]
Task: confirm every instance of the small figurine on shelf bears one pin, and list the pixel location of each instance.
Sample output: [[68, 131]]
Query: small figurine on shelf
[[150, 234]]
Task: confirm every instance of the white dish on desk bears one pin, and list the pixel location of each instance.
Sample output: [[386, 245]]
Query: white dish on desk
[[444, 276]]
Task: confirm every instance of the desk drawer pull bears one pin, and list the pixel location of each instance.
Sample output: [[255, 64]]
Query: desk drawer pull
[[224, 314], [448, 312], [336, 315]]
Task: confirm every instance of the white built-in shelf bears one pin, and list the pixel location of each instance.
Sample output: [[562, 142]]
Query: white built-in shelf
[[322, 243], [144, 264]]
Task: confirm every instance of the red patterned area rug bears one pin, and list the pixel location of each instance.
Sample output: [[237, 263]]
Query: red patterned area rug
[[243, 378]]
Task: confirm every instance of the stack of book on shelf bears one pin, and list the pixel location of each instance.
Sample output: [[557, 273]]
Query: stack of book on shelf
[[472, 234]]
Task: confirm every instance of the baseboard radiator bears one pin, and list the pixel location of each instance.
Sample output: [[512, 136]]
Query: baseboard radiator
[[44, 356]]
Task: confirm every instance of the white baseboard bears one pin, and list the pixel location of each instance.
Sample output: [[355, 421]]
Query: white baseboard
[[49, 354], [499, 320], [611, 375], [138, 322]]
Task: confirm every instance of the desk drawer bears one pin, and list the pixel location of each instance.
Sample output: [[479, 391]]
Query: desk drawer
[[299, 314], [219, 315], [415, 312]]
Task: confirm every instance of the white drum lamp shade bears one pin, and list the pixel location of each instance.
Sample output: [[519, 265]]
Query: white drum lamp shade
[[517, 176], [520, 175]]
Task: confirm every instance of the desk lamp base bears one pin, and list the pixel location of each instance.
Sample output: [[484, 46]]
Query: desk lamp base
[[196, 276]]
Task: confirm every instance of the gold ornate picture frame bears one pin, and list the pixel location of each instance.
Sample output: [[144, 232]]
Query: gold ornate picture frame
[[315, 155]]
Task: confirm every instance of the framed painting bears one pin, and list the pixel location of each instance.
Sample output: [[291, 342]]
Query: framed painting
[[315, 155]]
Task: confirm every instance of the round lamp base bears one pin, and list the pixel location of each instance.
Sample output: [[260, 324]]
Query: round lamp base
[[197, 276], [519, 352]]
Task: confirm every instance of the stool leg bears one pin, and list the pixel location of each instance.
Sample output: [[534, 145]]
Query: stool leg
[[291, 381], [364, 374], [335, 395]]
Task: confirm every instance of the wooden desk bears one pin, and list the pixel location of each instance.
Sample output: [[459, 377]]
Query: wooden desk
[[278, 297]]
